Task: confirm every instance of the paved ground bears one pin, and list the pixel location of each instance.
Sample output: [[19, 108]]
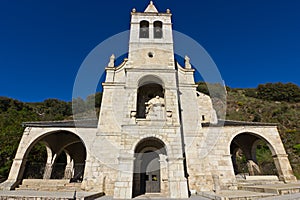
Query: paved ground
[[295, 196], [155, 198], [70, 195], [47, 194], [284, 197], [81, 195], [236, 194]]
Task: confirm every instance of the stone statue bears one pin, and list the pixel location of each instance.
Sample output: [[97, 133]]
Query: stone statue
[[155, 108], [111, 61], [187, 62]]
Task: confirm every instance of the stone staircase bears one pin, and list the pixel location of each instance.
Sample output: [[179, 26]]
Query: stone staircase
[[257, 180], [257, 187], [278, 189], [49, 185], [267, 184]]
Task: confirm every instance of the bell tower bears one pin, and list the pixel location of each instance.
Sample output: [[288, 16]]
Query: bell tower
[[151, 38]]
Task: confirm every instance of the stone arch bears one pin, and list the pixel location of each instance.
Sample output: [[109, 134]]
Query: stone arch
[[144, 29], [158, 29], [243, 147], [38, 137], [150, 78], [150, 166], [149, 87], [56, 142], [270, 144], [143, 145], [155, 137]]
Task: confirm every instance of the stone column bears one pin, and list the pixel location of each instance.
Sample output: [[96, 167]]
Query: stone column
[[177, 182], [123, 185], [250, 168], [69, 170], [253, 166], [49, 164], [284, 168], [48, 171]]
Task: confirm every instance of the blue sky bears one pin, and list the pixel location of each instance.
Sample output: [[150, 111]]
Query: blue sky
[[43, 43]]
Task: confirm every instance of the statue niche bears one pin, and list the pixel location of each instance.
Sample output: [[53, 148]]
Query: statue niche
[[150, 99]]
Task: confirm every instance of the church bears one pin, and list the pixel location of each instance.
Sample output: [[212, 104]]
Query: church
[[154, 139]]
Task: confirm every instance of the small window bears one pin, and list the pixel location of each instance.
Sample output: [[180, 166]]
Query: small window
[[144, 29], [150, 55], [158, 33]]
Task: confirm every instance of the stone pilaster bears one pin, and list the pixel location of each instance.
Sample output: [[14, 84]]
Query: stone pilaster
[[164, 174], [13, 179], [123, 185], [284, 168], [177, 182]]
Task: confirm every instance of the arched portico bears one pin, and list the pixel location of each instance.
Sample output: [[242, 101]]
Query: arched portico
[[65, 145], [246, 144]]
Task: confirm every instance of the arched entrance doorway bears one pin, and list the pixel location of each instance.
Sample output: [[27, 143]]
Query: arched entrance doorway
[[149, 165], [252, 155]]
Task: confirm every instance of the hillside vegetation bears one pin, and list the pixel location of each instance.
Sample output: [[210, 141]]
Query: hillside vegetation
[[275, 103]]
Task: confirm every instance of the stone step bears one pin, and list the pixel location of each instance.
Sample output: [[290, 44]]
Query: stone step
[[279, 189], [45, 181], [46, 195], [49, 185], [235, 195], [257, 180], [254, 183], [74, 185], [25, 189]]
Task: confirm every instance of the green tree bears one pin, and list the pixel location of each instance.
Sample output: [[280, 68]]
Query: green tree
[[279, 92]]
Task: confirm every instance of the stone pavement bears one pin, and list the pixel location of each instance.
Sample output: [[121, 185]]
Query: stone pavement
[[145, 197], [235, 195], [283, 197], [279, 189], [31, 194], [295, 196], [46, 195]]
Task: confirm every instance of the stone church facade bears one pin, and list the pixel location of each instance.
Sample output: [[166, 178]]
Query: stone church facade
[[154, 139]]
